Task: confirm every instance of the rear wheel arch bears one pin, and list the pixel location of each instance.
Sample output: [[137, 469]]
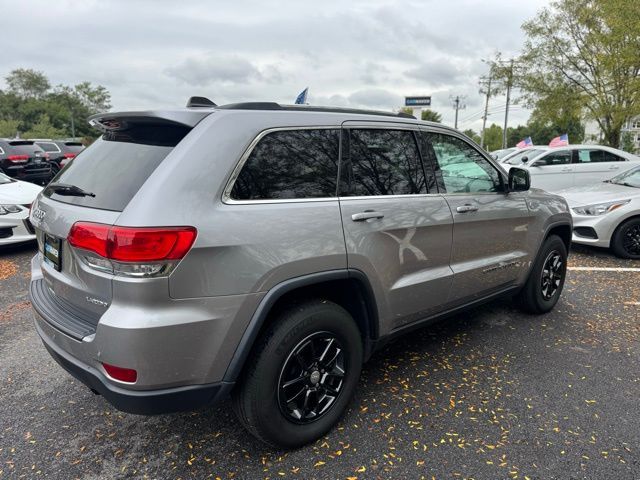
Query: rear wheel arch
[[349, 289]]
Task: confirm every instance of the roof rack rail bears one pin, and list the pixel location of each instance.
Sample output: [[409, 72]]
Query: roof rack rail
[[200, 102], [307, 108]]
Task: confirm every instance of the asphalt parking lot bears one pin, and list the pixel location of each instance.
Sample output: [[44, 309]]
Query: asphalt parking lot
[[490, 394]]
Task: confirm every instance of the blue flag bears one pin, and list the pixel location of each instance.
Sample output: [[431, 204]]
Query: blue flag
[[302, 98]]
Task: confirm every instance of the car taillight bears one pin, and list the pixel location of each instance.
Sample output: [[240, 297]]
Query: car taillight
[[128, 375], [18, 158], [69, 155], [132, 251]]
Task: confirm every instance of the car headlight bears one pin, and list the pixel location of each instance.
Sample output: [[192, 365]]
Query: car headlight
[[6, 209], [599, 208]]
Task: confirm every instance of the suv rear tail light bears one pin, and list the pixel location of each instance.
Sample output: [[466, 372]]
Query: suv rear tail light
[[122, 374], [18, 158], [132, 251], [69, 155]]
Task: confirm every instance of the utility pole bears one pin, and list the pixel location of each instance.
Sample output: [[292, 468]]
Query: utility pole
[[457, 105], [487, 82], [506, 111]]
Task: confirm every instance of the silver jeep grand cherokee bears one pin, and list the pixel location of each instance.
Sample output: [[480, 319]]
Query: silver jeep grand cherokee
[[265, 251]]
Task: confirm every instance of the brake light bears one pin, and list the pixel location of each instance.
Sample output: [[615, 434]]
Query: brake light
[[69, 155], [128, 375], [133, 244], [18, 158]]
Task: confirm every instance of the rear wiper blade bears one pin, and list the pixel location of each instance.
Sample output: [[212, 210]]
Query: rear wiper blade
[[69, 190]]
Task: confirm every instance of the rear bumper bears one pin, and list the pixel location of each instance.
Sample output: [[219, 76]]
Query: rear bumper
[[142, 402]]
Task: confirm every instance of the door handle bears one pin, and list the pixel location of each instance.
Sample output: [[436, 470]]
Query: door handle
[[466, 208], [614, 167], [366, 215], [567, 169]]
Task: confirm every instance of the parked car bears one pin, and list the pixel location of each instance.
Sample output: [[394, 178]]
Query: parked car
[[500, 154], [60, 151], [23, 160], [15, 200], [266, 251], [607, 214], [576, 165], [523, 155]]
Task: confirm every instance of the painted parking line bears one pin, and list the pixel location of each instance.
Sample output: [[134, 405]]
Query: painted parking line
[[604, 269]]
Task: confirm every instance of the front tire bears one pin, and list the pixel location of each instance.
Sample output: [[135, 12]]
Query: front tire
[[625, 242], [301, 376], [546, 279]]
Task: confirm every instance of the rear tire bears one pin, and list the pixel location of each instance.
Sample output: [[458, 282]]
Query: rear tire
[[546, 279], [309, 358], [625, 242]]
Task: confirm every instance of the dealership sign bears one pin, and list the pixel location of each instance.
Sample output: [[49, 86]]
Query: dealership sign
[[417, 101]]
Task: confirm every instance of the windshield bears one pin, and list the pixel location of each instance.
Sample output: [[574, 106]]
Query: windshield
[[630, 178], [516, 158]]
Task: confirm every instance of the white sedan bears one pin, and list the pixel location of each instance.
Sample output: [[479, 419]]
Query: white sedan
[[15, 199], [557, 168], [607, 214]]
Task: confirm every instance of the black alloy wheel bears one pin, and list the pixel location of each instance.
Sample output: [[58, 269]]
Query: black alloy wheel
[[552, 274], [311, 378]]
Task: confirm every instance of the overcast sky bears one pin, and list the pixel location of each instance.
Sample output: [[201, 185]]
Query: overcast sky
[[370, 54]]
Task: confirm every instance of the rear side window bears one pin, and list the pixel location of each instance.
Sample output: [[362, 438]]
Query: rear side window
[[115, 166], [596, 155], [381, 162], [290, 164]]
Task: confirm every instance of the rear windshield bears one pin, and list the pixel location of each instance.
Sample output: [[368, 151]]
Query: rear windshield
[[23, 148], [116, 165]]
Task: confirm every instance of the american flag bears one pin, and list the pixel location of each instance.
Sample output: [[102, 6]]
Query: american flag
[[525, 143], [561, 141]]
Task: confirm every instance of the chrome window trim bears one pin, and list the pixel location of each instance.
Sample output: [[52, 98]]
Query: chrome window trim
[[226, 193], [1, 151]]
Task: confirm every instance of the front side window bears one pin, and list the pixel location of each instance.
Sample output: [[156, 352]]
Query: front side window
[[290, 164], [381, 162], [464, 169], [555, 158]]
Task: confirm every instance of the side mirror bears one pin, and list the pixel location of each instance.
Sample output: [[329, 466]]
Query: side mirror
[[519, 180], [539, 163]]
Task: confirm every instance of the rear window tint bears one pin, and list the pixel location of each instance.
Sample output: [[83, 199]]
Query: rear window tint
[[49, 147], [290, 164], [115, 166], [23, 148]]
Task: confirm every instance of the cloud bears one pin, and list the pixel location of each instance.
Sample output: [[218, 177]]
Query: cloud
[[155, 54], [207, 70]]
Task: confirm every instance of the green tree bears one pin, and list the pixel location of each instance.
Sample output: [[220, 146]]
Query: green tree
[[29, 97], [585, 53], [472, 135], [407, 110], [431, 116], [44, 129], [27, 83], [493, 137], [9, 128], [626, 143]]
